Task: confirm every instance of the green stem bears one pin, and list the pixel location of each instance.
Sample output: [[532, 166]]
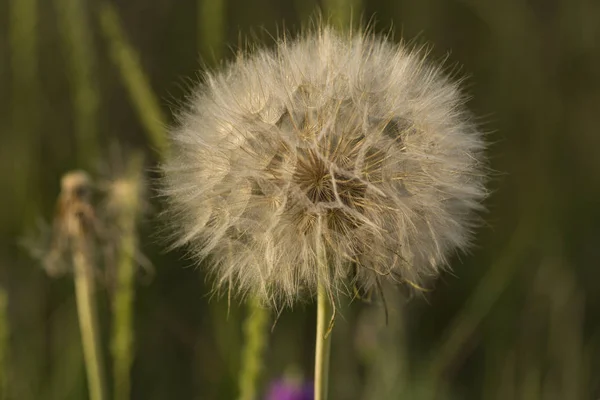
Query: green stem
[[25, 104], [123, 313], [88, 323], [342, 13], [133, 77], [4, 337], [323, 344], [73, 21], [325, 313], [255, 329], [479, 304], [123, 337], [211, 29]]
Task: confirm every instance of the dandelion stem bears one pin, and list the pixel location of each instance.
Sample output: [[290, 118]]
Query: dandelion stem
[[323, 344], [88, 322], [255, 329]]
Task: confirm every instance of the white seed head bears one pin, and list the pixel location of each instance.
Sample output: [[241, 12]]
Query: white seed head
[[346, 143]]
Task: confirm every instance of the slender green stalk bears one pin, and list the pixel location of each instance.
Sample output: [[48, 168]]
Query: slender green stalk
[[323, 344], [342, 13], [25, 104], [74, 24], [305, 9], [480, 302], [386, 353], [134, 79], [211, 29], [88, 319], [324, 325], [23, 44], [4, 335], [128, 203], [255, 340]]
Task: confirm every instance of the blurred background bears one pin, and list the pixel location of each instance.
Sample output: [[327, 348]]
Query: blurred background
[[91, 84]]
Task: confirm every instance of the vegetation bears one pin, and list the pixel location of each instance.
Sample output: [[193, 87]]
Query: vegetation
[[518, 317]]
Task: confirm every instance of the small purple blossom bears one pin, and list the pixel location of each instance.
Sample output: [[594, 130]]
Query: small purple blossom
[[286, 389]]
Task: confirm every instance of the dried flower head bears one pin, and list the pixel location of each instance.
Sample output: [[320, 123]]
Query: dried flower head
[[99, 212], [342, 142], [75, 224]]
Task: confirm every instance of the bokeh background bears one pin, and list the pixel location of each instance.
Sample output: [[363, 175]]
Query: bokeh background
[[87, 83]]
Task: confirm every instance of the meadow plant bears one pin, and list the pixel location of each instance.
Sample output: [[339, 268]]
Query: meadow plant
[[344, 144], [126, 59], [331, 161], [255, 327], [94, 236], [4, 345], [75, 232], [79, 51], [123, 207]]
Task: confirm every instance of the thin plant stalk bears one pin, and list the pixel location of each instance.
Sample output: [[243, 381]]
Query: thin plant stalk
[[123, 336], [74, 23], [479, 304], [23, 39], [255, 339], [211, 29], [4, 335], [324, 326], [24, 58], [305, 9], [134, 78], [342, 13], [77, 220], [323, 344], [88, 320]]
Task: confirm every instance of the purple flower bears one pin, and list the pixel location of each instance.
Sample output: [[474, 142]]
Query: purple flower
[[285, 389]]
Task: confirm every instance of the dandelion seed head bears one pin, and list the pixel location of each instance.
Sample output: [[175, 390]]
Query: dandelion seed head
[[349, 143]]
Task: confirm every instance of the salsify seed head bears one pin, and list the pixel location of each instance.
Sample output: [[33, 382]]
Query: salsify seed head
[[333, 159]]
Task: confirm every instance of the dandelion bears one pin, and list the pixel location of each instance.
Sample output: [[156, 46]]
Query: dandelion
[[332, 161], [341, 146]]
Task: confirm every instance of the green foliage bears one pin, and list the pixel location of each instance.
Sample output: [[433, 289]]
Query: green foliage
[[517, 318]]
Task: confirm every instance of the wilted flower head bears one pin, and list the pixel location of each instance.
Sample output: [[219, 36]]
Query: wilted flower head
[[339, 144], [99, 212], [75, 224]]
